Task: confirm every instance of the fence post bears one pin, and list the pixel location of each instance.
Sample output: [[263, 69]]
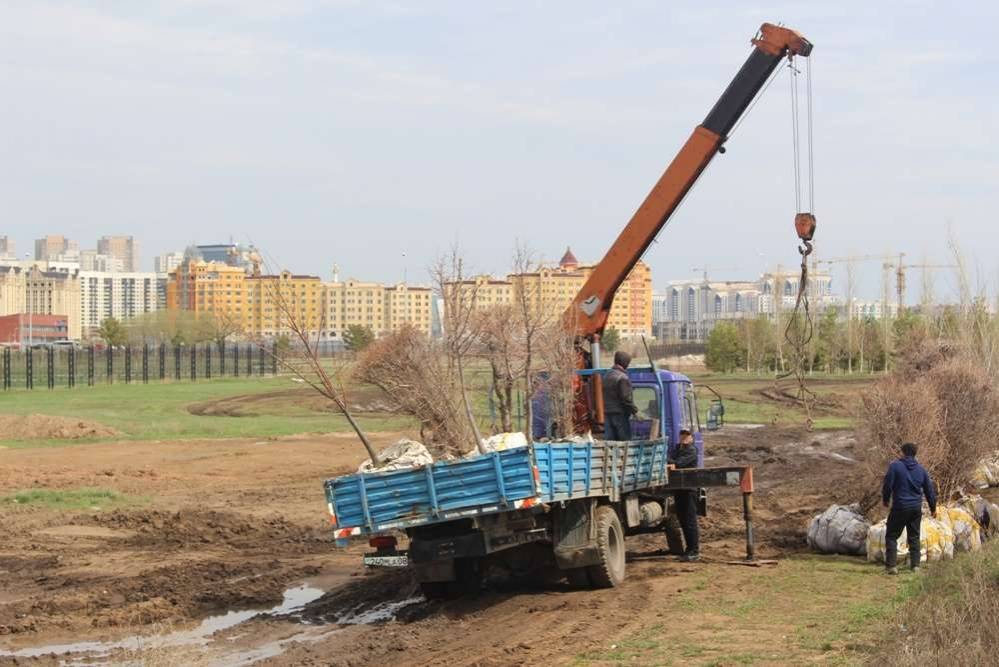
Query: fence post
[[260, 359], [208, 361], [235, 360], [128, 364], [274, 358], [249, 359], [71, 362], [176, 362], [162, 360], [90, 367], [6, 368], [194, 361], [145, 363], [50, 367], [222, 360], [109, 357]]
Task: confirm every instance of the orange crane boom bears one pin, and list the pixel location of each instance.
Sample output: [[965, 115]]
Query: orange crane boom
[[587, 314]]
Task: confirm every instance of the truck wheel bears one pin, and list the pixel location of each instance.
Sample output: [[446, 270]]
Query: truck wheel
[[609, 572], [578, 577], [468, 578], [434, 590], [674, 535]]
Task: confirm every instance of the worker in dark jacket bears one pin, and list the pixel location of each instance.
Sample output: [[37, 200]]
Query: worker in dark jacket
[[905, 485], [619, 405], [685, 456]]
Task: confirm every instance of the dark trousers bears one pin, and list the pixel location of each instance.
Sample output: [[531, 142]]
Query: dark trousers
[[617, 427], [909, 519], [686, 512]]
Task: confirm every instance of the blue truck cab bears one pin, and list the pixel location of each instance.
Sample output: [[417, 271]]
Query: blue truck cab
[[666, 401]]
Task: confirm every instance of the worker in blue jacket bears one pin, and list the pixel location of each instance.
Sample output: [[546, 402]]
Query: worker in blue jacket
[[905, 485]]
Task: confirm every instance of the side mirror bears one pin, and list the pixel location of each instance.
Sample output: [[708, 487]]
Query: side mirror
[[716, 415]]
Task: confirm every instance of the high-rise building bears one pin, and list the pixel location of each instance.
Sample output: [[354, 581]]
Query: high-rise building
[[552, 289], [117, 294], [54, 293], [167, 262], [91, 260], [7, 249], [12, 290], [689, 309], [124, 248], [56, 247]]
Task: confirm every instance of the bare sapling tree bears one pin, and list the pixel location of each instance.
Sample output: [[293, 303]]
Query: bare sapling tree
[[303, 359], [414, 373], [461, 325], [500, 345], [533, 314], [560, 358]]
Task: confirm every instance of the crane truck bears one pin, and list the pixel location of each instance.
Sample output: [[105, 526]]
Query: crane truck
[[570, 501]]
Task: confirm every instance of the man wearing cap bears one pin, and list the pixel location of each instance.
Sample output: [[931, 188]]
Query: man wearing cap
[[685, 456]]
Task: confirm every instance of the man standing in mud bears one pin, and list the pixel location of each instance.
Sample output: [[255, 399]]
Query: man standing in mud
[[905, 484], [686, 501], [619, 403]]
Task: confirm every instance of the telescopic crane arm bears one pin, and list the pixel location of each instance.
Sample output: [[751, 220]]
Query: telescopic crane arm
[[587, 315]]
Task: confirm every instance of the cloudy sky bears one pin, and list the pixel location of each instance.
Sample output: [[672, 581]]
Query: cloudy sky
[[375, 134]]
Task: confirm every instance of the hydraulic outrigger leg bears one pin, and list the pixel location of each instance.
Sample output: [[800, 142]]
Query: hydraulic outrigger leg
[[691, 479]]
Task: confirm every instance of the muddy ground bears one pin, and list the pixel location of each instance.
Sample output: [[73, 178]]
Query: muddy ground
[[217, 527]]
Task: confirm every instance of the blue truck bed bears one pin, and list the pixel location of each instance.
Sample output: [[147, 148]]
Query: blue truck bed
[[544, 472]]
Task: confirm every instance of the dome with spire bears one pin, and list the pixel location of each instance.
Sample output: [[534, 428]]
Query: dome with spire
[[568, 260]]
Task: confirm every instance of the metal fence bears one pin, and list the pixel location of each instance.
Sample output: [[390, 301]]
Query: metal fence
[[51, 367]]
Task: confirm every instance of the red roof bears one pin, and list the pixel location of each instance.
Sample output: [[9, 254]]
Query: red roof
[[568, 259]]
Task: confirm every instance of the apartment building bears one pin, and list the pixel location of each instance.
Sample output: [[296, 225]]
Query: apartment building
[[168, 262], [13, 289], [7, 249], [54, 293], [552, 289], [56, 247], [118, 295], [123, 248]]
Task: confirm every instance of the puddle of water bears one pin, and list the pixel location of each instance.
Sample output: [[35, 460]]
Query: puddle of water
[[294, 599], [378, 614]]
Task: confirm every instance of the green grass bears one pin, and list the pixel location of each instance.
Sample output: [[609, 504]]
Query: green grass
[[68, 499], [813, 609], [160, 411], [744, 404]]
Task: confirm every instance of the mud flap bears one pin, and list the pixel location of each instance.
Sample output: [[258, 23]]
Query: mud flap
[[573, 535]]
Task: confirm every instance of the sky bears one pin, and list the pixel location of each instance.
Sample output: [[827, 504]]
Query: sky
[[375, 135]]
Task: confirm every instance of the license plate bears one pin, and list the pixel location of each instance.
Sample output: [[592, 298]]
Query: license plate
[[386, 561]]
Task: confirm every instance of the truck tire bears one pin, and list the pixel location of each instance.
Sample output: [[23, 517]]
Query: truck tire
[[468, 578], [609, 572], [674, 534], [578, 577], [434, 590]]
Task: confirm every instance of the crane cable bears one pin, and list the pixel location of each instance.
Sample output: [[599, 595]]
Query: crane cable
[[799, 330]]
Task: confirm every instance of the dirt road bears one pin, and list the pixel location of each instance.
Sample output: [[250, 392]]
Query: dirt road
[[212, 528]]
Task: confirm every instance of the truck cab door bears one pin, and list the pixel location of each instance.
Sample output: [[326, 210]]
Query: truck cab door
[[647, 424]]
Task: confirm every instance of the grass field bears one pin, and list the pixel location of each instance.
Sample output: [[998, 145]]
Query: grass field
[[817, 609], [69, 499], [745, 405], [159, 411]]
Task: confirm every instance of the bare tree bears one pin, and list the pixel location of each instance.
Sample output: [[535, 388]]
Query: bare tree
[[304, 362], [533, 315], [500, 345], [415, 374], [461, 331]]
